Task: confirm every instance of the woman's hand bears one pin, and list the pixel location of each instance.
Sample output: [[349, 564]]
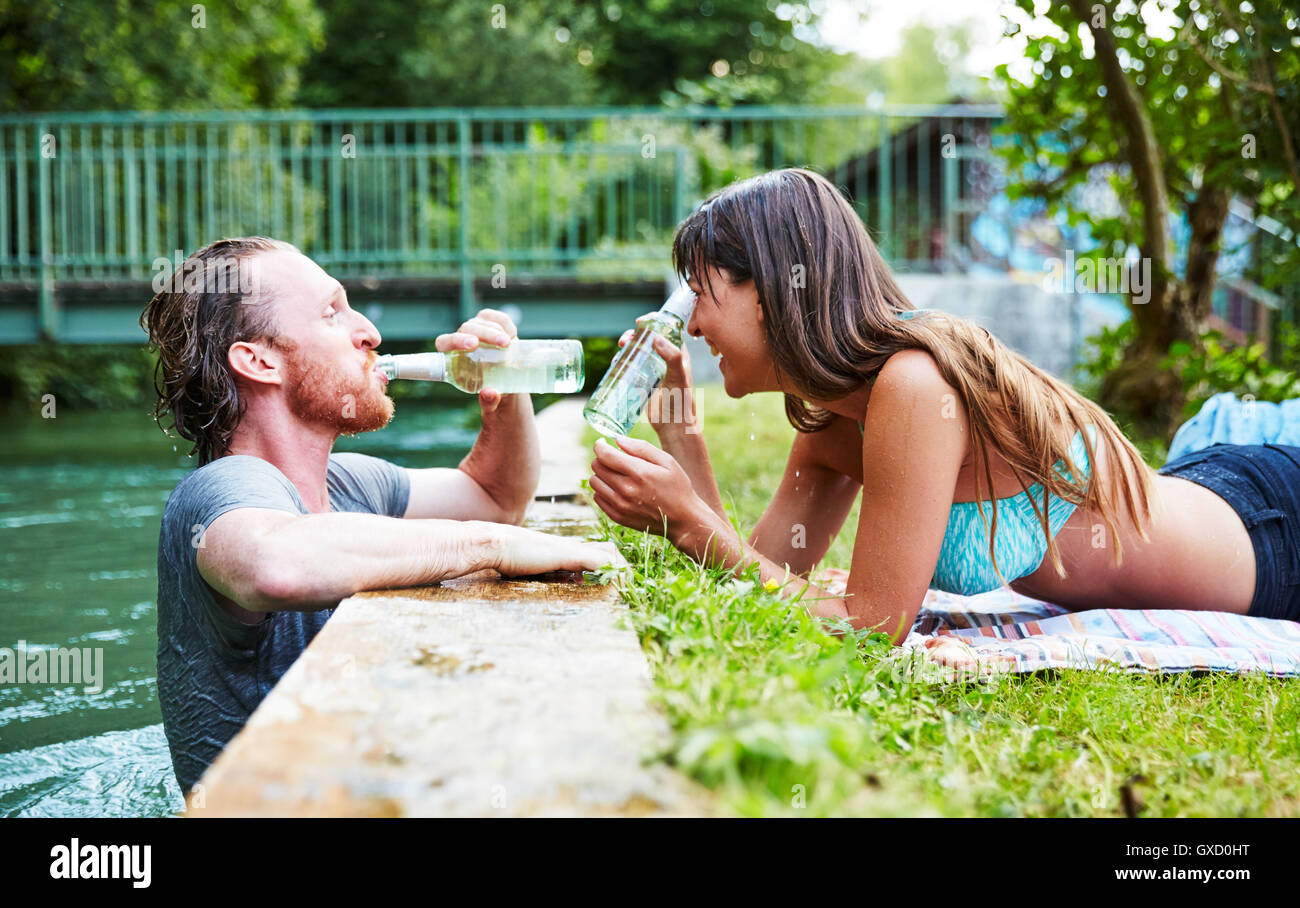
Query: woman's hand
[[672, 405], [639, 486], [673, 415]]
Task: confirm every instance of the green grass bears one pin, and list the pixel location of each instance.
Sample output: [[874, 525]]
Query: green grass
[[780, 717]]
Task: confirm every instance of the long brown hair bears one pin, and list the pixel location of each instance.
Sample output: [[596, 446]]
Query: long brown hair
[[200, 311], [831, 315]]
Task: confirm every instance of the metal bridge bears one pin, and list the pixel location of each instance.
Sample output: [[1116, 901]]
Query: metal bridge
[[425, 215], [566, 214]]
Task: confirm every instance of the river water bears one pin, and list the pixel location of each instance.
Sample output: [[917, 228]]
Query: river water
[[81, 501]]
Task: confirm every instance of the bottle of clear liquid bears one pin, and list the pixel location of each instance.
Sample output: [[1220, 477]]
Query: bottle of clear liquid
[[637, 369], [524, 367]]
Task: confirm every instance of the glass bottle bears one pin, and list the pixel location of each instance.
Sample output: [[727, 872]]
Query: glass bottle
[[637, 370], [523, 367]]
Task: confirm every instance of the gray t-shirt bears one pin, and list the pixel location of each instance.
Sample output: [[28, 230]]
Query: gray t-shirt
[[213, 669]]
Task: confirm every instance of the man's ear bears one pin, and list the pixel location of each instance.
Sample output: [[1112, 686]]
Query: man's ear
[[256, 361]]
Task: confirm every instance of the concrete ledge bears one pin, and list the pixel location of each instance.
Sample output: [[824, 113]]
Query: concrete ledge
[[475, 697]]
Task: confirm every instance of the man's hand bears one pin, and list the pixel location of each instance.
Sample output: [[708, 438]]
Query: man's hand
[[526, 552], [489, 327], [505, 462]]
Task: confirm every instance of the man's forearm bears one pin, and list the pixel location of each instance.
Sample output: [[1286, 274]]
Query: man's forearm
[[317, 560], [506, 458]]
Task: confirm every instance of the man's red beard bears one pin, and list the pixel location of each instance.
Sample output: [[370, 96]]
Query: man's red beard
[[348, 403]]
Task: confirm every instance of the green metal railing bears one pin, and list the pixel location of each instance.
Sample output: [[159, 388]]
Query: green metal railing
[[444, 194]]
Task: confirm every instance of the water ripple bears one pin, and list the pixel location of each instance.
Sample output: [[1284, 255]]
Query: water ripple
[[116, 774]]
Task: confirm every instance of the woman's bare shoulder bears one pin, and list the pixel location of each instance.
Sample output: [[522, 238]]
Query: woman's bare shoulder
[[915, 414], [910, 368], [910, 381]]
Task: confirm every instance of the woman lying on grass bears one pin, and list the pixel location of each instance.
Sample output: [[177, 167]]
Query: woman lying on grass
[[976, 467]]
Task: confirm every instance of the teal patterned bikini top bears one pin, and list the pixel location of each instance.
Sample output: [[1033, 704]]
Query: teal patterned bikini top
[[964, 566]]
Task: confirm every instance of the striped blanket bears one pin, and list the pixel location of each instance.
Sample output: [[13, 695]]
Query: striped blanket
[[1004, 631]]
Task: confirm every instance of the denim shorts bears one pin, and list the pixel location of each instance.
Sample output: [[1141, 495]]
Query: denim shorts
[[1262, 484]]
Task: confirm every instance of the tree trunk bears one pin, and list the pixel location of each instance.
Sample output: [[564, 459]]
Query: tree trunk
[[1138, 388]]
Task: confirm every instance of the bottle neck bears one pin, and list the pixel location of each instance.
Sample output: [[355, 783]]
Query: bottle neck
[[680, 304], [418, 366], [665, 322], [662, 317]]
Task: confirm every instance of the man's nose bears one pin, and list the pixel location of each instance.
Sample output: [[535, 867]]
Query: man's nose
[[369, 334], [692, 328]]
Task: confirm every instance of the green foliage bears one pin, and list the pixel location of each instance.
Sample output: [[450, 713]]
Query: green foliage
[[597, 354], [115, 55], [1206, 368], [533, 53], [121, 55], [90, 376], [446, 53], [664, 51], [781, 716], [1242, 369], [1215, 109], [1102, 353], [1066, 130], [413, 53]]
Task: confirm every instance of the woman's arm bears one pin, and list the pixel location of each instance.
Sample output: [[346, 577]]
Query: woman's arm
[[808, 509], [912, 451], [673, 415], [640, 486], [911, 454], [688, 449], [913, 446]]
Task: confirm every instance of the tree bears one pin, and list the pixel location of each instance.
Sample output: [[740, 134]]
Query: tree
[[449, 53], [1184, 105], [124, 55], [411, 53], [736, 51]]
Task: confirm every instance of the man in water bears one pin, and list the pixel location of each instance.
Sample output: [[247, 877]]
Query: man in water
[[263, 365]]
